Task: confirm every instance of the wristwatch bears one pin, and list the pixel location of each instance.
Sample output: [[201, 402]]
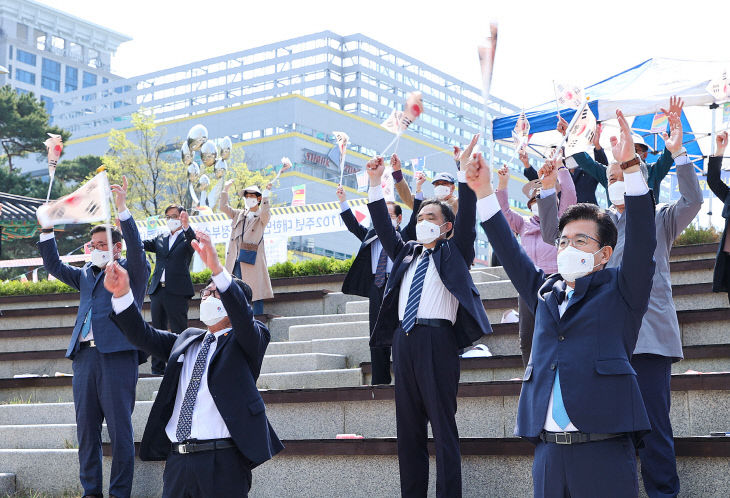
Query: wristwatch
[[632, 162], [46, 230], [680, 152]]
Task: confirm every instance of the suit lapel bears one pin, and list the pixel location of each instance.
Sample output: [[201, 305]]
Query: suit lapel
[[551, 299], [177, 242], [184, 345], [221, 342]]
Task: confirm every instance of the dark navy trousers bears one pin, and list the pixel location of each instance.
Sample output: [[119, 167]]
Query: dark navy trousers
[[426, 368], [224, 473], [601, 469], [658, 461], [104, 389], [379, 355]]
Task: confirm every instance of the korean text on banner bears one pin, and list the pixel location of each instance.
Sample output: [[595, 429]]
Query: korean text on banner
[[88, 204], [314, 219]]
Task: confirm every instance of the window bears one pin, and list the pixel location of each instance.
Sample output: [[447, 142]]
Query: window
[[48, 101], [51, 75], [26, 57], [89, 79], [25, 76], [72, 79]]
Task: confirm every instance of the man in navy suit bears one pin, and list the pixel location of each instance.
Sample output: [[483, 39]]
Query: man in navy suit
[[105, 364], [171, 286], [208, 420], [580, 401], [370, 270], [431, 310]]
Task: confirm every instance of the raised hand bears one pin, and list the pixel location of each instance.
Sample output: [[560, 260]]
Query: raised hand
[[467, 153], [523, 157], [549, 173], [185, 220], [120, 195], [269, 186], [420, 180], [395, 162], [673, 141], [206, 250], [597, 136], [562, 125], [227, 186], [341, 193], [675, 106], [457, 153], [478, 176], [503, 176], [623, 148], [375, 169], [721, 143], [116, 279]]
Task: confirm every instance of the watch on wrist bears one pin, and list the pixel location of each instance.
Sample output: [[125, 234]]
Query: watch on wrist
[[680, 152], [632, 162], [46, 230]]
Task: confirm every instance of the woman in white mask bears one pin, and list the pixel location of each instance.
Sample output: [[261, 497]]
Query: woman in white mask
[[528, 228], [246, 256]]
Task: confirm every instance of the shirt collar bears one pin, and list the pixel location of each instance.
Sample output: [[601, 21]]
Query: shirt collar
[[219, 333]]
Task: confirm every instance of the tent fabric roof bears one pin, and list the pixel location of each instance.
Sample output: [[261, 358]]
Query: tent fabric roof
[[639, 90]]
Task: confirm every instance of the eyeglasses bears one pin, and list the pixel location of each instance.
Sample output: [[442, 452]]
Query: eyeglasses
[[172, 217], [579, 241], [102, 246], [207, 292]]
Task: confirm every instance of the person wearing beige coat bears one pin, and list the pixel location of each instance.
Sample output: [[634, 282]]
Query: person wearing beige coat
[[247, 232]]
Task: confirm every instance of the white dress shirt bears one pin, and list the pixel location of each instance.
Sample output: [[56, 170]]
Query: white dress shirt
[[171, 241], [436, 300], [207, 422], [489, 206]]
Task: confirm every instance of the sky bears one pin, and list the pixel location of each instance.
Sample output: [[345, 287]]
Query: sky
[[581, 42]]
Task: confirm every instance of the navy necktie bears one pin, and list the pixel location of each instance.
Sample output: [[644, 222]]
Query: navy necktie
[[414, 296], [185, 421], [380, 268]]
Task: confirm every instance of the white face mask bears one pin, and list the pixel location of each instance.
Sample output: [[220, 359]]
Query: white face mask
[[212, 311], [441, 191], [251, 202], [574, 263], [616, 193], [99, 258], [394, 222], [427, 232], [173, 225], [534, 209]]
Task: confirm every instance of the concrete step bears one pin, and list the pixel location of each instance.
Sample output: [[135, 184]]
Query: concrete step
[[279, 326], [302, 362], [7, 484], [367, 468], [360, 307]]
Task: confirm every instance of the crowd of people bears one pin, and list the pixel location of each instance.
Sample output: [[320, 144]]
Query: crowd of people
[[597, 326]]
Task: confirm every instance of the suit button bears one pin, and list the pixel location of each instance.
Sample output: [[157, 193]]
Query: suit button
[[561, 338], [552, 366]]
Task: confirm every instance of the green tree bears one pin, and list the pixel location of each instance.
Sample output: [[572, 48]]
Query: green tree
[[23, 125], [243, 177], [75, 171]]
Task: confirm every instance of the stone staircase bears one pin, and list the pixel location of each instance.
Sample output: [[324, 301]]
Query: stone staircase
[[314, 383]]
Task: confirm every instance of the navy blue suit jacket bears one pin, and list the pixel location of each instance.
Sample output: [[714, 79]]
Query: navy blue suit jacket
[[593, 341], [107, 336], [232, 373], [451, 257], [360, 277], [174, 261]]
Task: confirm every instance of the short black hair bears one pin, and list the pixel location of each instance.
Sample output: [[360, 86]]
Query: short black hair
[[180, 209], [396, 208], [116, 234], [446, 212], [607, 232], [241, 284]]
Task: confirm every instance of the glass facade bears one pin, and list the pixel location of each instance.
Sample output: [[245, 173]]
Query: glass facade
[[89, 79], [25, 57], [24, 76], [72, 79], [51, 75]]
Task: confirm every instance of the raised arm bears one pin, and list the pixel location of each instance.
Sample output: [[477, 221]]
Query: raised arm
[[409, 232], [224, 205], [389, 237], [139, 268], [714, 165], [568, 197], [128, 317], [465, 233], [188, 231], [528, 170], [348, 217], [590, 166], [547, 202], [672, 147], [516, 222], [526, 278], [69, 275], [401, 186], [266, 205]]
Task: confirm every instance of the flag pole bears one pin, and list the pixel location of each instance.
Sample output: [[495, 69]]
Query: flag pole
[[573, 121], [109, 240]]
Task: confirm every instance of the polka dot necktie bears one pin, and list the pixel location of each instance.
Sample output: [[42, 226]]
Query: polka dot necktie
[[185, 421]]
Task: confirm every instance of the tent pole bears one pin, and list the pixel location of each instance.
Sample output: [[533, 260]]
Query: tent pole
[[713, 107]]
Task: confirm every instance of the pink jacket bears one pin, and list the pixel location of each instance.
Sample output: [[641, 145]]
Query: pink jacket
[[528, 228]]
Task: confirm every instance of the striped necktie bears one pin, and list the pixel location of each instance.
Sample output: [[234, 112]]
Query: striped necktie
[[414, 295], [380, 268]]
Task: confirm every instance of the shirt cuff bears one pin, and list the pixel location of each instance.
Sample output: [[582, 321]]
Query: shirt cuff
[[419, 195], [487, 207], [266, 193], [222, 281], [375, 193], [47, 236], [635, 184], [344, 206], [124, 215], [461, 176], [397, 176], [683, 159], [546, 192], [120, 304]]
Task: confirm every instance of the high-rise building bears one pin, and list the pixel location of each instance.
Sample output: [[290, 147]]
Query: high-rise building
[[49, 52]]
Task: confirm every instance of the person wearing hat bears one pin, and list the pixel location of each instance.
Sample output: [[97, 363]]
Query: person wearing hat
[[542, 254], [246, 256], [444, 185], [657, 171]]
